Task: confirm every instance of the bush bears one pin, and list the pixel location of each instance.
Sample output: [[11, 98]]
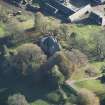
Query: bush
[[68, 103], [86, 97], [17, 99], [57, 76], [102, 100], [77, 57], [103, 71], [72, 99], [99, 41], [54, 97], [91, 71], [28, 58], [44, 24], [3, 14], [40, 102]]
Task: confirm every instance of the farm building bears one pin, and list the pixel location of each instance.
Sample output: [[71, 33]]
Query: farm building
[[97, 19], [63, 8], [57, 7], [80, 13], [99, 12], [96, 14], [49, 44]]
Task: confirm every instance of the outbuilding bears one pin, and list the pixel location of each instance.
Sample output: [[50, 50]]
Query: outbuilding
[[49, 45], [98, 14], [81, 13]]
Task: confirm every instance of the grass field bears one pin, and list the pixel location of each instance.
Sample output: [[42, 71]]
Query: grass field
[[98, 65], [25, 25], [85, 31], [2, 30], [93, 85], [79, 74]]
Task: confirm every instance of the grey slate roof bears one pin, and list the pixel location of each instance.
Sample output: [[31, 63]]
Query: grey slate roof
[[49, 44]]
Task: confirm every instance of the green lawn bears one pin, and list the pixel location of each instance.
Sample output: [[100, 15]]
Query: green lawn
[[79, 74], [2, 31], [98, 65], [84, 31], [93, 85]]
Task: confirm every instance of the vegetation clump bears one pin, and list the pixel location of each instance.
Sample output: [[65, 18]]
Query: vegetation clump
[[86, 97], [28, 57], [17, 99], [75, 75]]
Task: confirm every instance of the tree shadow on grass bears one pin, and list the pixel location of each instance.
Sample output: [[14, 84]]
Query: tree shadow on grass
[[31, 90]]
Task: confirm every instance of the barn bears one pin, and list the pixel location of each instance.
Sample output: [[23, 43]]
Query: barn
[[80, 13], [98, 14], [57, 6]]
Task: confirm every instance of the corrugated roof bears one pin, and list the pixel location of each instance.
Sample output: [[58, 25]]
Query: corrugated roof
[[77, 16]]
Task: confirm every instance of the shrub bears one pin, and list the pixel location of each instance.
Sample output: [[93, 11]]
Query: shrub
[[57, 76], [17, 99], [3, 14], [40, 102], [29, 57], [76, 57], [103, 71], [68, 103], [72, 99], [44, 24], [91, 71], [86, 97], [54, 97], [102, 100], [99, 41]]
